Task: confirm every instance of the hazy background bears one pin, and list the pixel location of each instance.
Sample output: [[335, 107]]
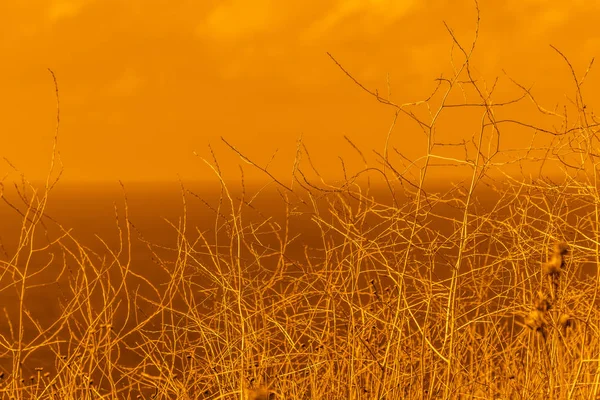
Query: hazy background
[[144, 84]]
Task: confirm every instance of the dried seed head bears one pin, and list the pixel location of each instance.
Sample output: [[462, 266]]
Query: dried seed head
[[557, 261], [536, 320], [543, 304], [561, 248], [553, 267], [565, 321]]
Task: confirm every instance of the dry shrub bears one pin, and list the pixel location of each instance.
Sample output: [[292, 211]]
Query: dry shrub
[[401, 292]]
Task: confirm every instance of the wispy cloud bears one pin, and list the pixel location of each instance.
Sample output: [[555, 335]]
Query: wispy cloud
[[374, 15], [127, 84], [238, 19], [60, 9]]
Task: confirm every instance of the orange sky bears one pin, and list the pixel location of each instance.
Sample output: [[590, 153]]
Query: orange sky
[[144, 84]]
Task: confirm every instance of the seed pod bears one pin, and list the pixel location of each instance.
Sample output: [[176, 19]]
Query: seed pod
[[561, 248], [536, 320], [565, 321], [553, 267]]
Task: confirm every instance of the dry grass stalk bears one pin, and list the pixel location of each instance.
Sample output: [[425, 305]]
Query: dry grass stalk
[[235, 292]]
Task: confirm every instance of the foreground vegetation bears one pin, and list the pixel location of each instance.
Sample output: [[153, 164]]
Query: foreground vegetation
[[402, 293]]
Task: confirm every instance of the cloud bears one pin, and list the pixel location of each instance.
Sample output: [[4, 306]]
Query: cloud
[[60, 9], [374, 15], [127, 84], [238, 19]]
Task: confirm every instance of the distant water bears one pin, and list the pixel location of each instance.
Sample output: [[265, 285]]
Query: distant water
[[89, 210], [92, 209]]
